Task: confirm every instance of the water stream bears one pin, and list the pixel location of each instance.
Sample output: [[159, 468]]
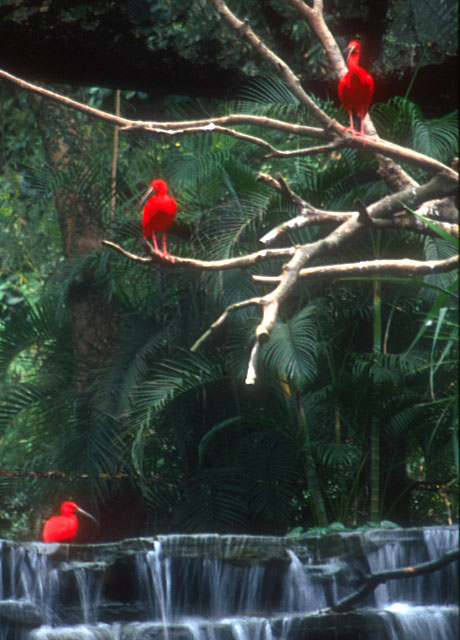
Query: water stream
[[212, 587]]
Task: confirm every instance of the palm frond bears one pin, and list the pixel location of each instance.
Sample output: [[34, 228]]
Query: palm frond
[[174, 378], [27, 332], [334, 455], [388, 367], [213, 501], [291, 352], [400, 118]]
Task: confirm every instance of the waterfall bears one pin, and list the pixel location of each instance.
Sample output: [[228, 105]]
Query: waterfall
[[155, 578], [416, 623], [211, 587], [89, 589]]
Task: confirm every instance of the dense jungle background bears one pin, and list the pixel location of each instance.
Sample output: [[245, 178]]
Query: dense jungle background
[[101, 399]]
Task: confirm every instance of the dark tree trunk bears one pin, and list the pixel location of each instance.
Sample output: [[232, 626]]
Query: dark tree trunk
[[92, 314]]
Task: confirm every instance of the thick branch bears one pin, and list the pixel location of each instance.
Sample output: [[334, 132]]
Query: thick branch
[[441, 185], [392, 173], [280, 67], [372, 581], [383, 268], [315, 18], [310, 215], [378, 146], [382, 209]]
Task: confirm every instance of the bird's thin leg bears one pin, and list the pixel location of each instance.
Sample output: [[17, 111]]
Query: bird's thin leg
[[352, 126], [361, 132], [155, 242], [165, 251]]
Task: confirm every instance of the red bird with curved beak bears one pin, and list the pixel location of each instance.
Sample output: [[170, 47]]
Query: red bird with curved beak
[[64, 528], [356, 88], [159, 212]]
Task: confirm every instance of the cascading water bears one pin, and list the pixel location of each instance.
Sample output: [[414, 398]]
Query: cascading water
[[212, 587]]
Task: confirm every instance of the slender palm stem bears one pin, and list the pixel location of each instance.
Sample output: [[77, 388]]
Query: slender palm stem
[[314, 486]]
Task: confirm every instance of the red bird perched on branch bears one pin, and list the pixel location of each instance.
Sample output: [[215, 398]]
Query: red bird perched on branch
[[356, 88], [159, 212], [64, 528]]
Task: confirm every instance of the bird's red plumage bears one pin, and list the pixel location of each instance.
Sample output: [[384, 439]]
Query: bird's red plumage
[[159, 212], [62, 528], [356, 87]]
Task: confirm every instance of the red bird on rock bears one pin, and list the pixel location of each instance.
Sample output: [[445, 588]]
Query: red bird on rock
[[159, 212], [356, 88], [64, 528]]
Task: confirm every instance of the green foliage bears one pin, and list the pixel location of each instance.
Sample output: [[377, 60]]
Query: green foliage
[[420, 31], [204, 451], [292, 351], [402, 121], [334, 527]]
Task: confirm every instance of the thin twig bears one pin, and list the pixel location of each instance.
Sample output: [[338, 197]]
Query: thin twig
[[221, 319]]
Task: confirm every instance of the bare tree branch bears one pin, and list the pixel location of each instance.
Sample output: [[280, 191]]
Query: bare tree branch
[[372, 581], [201, 126], [442, 184], [216, 128], [310, 215], [251, 375], [221, 319], [304, 254], [392, 173], [402, 267], [215, 265], [379, 146], [315, 18], [280, 67]]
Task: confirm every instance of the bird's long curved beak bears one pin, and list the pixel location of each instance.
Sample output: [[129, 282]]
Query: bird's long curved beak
[[147, 195], [85, 513]]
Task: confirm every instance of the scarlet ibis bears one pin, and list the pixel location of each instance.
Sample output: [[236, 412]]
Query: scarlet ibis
[[63, 528], [159, 212], [356, 88]]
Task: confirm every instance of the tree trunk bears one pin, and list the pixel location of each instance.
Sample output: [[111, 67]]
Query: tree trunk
[[92, 314]]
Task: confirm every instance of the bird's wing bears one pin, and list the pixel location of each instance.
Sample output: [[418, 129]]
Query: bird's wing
[[59, 528], [369, 83], [343, 90]]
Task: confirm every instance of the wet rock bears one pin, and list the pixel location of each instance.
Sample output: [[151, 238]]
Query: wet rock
[[20, 612]]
